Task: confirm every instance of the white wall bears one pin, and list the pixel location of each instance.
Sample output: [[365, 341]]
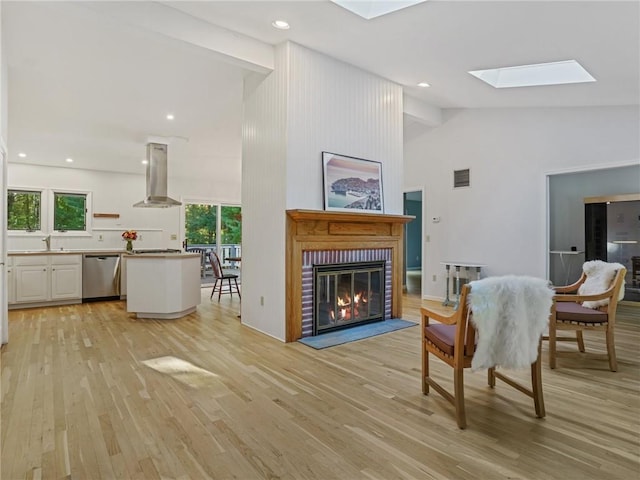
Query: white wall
[[501, 219], [309, 104], [116, 193]]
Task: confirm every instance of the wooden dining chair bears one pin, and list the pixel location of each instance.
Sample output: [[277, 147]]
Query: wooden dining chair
[[220, 277], [588, 304], [455, 339]]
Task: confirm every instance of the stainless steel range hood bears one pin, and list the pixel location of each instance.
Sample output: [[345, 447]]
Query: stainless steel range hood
[[157, 179]]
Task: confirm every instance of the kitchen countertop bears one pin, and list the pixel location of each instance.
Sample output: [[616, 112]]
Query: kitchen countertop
[[163, 255], [102, 251], [63, 252]]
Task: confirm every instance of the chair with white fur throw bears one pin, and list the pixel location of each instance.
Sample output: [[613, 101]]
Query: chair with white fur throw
[[588, 304], [509, 315]]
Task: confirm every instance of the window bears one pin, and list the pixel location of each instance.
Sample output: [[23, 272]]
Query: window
[[213, 227], [24, 210], [69, 212], [37, 211], [200, 224], [231, 225]]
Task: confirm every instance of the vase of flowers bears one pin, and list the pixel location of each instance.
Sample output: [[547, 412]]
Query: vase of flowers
[[129, 236]]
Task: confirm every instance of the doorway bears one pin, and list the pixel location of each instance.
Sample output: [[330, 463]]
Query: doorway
[[571, 240], [412, 272]]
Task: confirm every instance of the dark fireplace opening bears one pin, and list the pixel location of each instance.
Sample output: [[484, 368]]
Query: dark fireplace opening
[[347, 294]]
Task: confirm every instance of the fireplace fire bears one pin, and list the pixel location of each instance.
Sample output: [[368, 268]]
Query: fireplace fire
[[347, 294]]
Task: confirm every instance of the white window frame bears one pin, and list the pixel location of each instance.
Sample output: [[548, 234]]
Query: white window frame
[[47, 205]]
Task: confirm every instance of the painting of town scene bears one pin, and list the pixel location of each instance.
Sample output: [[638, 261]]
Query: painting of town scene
[[352, 184]]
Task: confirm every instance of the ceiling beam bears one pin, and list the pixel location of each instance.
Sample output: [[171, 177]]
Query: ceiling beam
[[229, 46], [422, 112]]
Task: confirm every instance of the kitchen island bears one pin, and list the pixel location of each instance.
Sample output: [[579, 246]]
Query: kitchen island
[[163, 285]]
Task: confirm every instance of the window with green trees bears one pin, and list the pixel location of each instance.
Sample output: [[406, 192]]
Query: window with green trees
[[231, 228], [69, 211], [24, 210], [200, 223]]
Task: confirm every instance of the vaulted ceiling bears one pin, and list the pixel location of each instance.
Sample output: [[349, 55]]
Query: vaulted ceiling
[[88, 81]]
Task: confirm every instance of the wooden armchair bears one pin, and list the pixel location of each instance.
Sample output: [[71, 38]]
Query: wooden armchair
[[454, 340], [573, 311]]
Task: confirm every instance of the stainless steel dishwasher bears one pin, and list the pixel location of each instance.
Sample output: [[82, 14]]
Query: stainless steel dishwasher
[[100, 276]]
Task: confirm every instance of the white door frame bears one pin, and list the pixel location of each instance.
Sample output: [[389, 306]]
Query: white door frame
[[4, 310]]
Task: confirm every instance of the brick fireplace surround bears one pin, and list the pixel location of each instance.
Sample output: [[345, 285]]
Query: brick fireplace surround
[[312, 230]]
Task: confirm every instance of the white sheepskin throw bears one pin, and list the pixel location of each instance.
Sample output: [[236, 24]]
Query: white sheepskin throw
[[599, 277], [510, 314]]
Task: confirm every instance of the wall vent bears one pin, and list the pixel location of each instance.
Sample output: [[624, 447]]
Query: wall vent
[[461, 178]]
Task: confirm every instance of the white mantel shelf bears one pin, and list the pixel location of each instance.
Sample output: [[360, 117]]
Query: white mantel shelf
[[163, 286]]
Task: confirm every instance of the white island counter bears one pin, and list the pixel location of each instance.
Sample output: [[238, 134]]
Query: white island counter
[[163, 285]]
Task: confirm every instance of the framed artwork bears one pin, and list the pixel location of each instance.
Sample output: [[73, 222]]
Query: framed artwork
[[352, 184]]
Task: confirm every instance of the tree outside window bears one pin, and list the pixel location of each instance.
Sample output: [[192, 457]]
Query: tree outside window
[[200, 224], [24, 210], [231, 225], [69, 211]]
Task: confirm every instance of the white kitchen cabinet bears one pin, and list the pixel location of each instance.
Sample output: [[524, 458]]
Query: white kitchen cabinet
[[47, 278], [66, 277], [163, 286], [66, 282], [32, 281]]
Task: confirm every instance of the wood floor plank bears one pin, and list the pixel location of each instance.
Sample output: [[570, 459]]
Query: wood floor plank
[[91, 392]]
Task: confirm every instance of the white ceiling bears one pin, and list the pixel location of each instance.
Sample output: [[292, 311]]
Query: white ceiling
[[86, 85]]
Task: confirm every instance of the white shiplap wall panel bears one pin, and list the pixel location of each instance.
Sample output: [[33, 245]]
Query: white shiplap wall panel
[[263, 199], [336, 107], [308, 104]]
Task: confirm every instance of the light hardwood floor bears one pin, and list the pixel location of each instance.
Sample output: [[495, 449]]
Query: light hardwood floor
[[89, 392]]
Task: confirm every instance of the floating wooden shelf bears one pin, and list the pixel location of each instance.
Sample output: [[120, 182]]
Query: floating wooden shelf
[[106, 215]]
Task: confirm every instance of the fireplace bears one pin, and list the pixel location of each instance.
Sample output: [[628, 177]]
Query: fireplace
[[318, 237], [347, 294]]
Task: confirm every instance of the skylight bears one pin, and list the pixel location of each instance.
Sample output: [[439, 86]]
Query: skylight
[[554, 73], [372, 9]]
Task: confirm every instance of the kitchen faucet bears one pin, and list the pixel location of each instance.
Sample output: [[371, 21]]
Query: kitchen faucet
[[47, 240]]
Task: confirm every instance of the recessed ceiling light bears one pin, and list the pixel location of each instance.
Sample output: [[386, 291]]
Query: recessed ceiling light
[[554, 73], [145, 161], [22, 155], [170, 116], [69, 160], [375, 8], [280, 24], [424, 84]]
